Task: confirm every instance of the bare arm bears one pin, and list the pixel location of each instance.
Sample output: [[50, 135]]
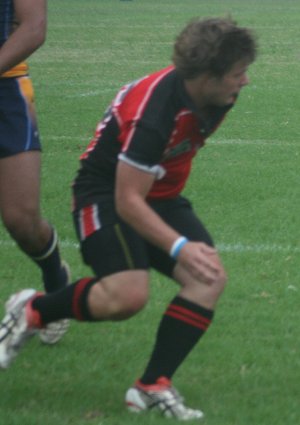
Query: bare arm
[[132, 187], [30, 33], [131, 190]]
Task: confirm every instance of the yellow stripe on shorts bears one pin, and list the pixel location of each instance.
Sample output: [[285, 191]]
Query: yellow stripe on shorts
[[124, 245]]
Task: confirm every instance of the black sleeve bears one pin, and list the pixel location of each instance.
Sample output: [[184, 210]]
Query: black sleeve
[[146, 145]]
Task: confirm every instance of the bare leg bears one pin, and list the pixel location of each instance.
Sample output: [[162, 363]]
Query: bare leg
[[20, 201], [21, 215]]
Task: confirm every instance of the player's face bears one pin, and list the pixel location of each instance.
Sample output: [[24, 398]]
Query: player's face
[[224, 91]]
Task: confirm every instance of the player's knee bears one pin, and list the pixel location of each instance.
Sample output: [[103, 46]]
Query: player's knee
[[221, 279], [219, 283], [28, 230], [17, 225], [25, 233], [19, 221]]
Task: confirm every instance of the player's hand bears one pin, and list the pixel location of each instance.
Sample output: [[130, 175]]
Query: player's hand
[[201, 261]]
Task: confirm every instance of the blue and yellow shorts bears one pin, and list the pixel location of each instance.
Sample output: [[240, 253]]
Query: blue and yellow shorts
[[18, 124]]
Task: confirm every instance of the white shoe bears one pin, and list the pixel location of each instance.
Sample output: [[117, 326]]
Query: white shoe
[[14, 329], [54, 331], [162, 397]]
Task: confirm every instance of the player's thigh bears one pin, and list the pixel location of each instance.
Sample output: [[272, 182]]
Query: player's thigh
[[108, 245]]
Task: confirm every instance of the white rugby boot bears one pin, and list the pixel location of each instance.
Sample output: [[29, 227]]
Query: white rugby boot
[[161, 397]]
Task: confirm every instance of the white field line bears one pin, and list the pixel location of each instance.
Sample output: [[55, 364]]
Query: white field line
[[258, 249], [238, 247], [259, 142], [90, 93], [62, 138], [209, 141]]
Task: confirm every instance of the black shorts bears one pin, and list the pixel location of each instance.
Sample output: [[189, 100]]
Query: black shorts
[[108, 245], [18, 125]]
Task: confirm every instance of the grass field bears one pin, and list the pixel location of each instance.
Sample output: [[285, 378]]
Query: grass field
[[245, 186]]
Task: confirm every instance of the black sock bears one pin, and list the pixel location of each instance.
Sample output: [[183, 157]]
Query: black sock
[[68, 303], [54, 275], [182, 325]]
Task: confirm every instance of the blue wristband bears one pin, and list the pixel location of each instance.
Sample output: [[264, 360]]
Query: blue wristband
[[177, 245]]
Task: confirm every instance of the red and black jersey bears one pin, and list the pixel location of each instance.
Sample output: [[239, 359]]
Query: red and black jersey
[[151, 124]]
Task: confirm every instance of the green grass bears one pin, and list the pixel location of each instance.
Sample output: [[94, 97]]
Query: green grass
[[245, 186]]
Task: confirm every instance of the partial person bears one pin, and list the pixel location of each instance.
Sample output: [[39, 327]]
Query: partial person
[[131, 217], [23, 27]]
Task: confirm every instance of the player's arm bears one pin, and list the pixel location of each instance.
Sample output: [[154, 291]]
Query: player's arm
[[132, 187], [30, 33]]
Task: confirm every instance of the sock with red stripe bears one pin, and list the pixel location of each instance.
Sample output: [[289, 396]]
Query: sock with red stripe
[[68, 303], [181, 327]]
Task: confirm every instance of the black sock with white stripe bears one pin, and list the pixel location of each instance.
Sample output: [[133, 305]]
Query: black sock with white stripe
[[181, 327], [54, 275]]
